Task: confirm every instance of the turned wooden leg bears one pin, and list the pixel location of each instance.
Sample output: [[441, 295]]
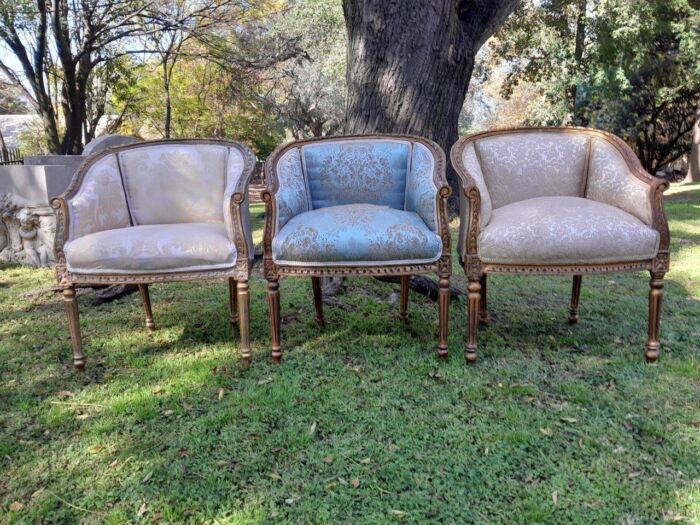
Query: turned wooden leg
[[403, 306], [146, 299], [273, 302], [318, 300], [575, 295], [233, 301], [483, 309], [656, 285], [473, 300], [444, 305], [71, 304], [243, 299]]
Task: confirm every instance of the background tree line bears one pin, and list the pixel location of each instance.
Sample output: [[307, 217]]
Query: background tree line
[[266, 70]]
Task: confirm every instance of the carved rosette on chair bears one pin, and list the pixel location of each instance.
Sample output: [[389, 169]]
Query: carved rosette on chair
[[152, 212], [557, 201], [373, 205]]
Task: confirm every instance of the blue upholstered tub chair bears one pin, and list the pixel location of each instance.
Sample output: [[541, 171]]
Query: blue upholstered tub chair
[[356, 205], [558, 201], [151, 212]]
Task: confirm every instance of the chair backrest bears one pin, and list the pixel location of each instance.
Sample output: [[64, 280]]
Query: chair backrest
[[159, 182], [370, 170], [530, 162]]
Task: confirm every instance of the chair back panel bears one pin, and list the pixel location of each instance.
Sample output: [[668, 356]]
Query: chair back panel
[[369, 171], [175, 183], [524, 165]]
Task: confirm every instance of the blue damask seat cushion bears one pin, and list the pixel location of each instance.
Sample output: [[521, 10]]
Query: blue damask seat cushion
[[358, 234]]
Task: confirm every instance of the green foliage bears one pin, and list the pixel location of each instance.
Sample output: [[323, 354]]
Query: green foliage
[[361, 423], [635, 72]]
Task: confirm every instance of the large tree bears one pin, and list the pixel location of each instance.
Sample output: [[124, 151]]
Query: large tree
[[410, 62]]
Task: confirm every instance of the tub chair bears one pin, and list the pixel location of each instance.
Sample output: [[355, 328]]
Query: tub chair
[[356, 205], [152, 212], [557, 201]]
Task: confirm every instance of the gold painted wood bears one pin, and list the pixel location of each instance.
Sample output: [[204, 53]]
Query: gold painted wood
[[233, 301], [403, 303], [146, 299], [318, 300], [656, 285], [71, 305], [575, 296], [243, 300], [483, 307], [273, 271], [474, 268]]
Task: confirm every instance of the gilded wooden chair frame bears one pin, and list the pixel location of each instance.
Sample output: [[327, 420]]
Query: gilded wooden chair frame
[[477, 270], [237, 276], [275, 271]]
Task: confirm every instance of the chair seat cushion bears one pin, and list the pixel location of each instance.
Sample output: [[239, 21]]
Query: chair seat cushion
[[357, 234], [152, 249], [565, 230]]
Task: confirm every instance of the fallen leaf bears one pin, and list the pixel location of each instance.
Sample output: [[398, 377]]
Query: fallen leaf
[[95, 450], [183, 452], [395, 512], [142, 509], [289, 501], [221, 394], [328, 459], [355, 482], [312, 430], [555, 497], [569, 420], [113, 463], [147, 477], [65, 393], [265, 381], [275, 476], [547, 432], [16, 506], [37, 493], [366, 461], [168, 413]]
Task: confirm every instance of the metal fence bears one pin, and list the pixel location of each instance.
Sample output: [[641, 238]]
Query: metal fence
[[10, 156]]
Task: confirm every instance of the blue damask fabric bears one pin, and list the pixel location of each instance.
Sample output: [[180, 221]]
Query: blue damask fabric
[[356, 234], [371, 171], [421, 193]]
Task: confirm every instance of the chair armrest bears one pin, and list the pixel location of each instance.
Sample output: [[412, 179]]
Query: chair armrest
[[239, 169], [616, 177], [287, 192], [94, 201], [474, 200]]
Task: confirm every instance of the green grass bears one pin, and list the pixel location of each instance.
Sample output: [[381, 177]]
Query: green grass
[[361, 423]]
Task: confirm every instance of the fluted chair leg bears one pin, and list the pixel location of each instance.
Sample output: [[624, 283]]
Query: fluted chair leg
[[575, 296], [273, 302], [656, 285], [71, 304], [444, 305], [243, 300], [483, 308], [403, 306], [318, 300], [233, 301], [146, 299], [473, 306]]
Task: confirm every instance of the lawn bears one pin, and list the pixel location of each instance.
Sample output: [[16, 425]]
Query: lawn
[[361, 423]]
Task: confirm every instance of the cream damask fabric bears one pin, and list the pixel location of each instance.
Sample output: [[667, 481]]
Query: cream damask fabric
[[357, 234], [152, 249], [565, 230], [471, 163], [179, 183], [421, 193], [292, 193], [610, 181], [520, 166], [371, 171], [99, 204], [234, 171]]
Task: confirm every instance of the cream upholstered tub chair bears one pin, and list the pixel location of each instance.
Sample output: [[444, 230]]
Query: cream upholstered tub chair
[[371, 205], [151, 212], [562, 201]]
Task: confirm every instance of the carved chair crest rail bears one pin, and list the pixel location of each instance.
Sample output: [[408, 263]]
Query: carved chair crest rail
[[158, 211], [367, 205], [557, 201]]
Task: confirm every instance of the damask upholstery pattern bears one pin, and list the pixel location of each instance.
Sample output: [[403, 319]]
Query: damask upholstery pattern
[[292, 195], [565, 230], [99, 203], [610, 181], [471, 163], [357, 234], [421, 193], [152, 249], [170, 184], [538, 164], [234, 171], [357, 171]]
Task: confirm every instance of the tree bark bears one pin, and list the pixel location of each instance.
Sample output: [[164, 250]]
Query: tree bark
[[694, 158], [410, 62]]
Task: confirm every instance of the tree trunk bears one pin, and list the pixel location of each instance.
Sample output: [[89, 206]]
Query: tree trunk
[[694, 158], [410, 62]]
